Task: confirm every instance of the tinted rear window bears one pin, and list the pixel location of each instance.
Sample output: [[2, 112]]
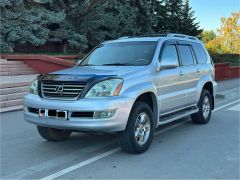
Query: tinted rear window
[[200, 53], [186, 55]]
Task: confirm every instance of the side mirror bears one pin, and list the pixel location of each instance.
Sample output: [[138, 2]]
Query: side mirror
[[168, 63]]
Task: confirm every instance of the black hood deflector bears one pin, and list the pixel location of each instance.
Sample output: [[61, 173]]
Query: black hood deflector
[[88, 80]]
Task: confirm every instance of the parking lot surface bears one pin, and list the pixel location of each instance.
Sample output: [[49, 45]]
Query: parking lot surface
[[179, 150]]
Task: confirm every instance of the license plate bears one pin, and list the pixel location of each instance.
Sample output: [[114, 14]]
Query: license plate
[[53, 113]]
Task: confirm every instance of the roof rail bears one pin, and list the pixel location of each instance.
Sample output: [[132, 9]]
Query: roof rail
[[144, 35], [152, 35], [162, 35], [182, 36]]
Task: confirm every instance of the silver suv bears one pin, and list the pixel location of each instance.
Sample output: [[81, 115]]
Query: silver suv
[[129, 86]]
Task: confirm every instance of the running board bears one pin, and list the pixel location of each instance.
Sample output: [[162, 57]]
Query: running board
[[164, 119]]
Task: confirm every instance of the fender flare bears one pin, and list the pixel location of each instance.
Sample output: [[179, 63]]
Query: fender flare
[[203, 81], [139, 89]]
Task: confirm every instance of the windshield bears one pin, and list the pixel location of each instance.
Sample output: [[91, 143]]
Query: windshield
[[121, 54]]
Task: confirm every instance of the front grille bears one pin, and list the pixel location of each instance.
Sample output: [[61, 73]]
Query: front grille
[[61, 90]]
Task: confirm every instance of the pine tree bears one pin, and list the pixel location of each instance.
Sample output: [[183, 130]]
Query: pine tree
[[23, 22], [174, 15], [85, 21], [84, 24], [101, 20], [160, 23], [121, 19], [189, 26], [144, 15]]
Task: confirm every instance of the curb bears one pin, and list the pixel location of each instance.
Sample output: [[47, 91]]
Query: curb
[[228, 94], [13, 108]]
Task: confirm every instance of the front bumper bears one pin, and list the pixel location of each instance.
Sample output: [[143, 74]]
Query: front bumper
[[118, 122]]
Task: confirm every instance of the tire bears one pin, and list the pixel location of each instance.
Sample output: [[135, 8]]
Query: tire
[[51, 134], [200, 117], [138, 135]]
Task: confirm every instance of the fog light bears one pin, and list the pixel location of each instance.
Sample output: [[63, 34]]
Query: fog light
[[25, 109], [103, 114]]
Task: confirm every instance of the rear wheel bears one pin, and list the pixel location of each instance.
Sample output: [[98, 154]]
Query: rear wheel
[[205, 108], [52, 134], [138, 134]]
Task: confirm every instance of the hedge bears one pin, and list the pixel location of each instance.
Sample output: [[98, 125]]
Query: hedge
[[234, 59]]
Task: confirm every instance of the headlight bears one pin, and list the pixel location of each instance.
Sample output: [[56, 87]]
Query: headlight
[[34, 87], [109, 87]]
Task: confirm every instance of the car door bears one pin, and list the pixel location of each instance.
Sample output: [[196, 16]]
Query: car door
[[203, 68], [170, 86], [190, 69]]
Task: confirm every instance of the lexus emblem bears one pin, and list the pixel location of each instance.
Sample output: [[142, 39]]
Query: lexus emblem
[[59, 89]]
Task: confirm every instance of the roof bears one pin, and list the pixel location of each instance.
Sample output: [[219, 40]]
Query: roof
[[134, 39], [155, 37]]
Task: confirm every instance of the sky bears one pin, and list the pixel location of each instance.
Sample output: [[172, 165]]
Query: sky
[[209, 12]]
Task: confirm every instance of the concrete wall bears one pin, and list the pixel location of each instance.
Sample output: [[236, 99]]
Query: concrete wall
[[224, 71], [43, 63]]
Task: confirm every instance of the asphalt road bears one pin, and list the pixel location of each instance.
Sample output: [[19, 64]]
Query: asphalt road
[[179, 150]]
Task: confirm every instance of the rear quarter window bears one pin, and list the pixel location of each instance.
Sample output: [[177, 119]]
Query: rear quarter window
[[201, 55], [186, 55]]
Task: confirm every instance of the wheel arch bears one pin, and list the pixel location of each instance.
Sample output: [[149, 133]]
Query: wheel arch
[[209, 87], [150, 99]]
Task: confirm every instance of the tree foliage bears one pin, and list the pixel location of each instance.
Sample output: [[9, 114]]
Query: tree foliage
[[85, 23], [227, 39], [207, 36], [189, 24], [24, 22], [174, 15]]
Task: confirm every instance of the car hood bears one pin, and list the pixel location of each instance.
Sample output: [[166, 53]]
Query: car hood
[[100, 70]]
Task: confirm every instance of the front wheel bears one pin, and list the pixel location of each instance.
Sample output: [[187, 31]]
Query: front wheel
[[52, 134], [138, 135], [205, 108]]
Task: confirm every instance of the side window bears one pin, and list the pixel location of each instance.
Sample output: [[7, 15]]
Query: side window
[[186, 55], [169, 55], [200, 53]]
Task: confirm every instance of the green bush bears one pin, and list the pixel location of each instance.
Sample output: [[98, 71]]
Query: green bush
[[233, 59]]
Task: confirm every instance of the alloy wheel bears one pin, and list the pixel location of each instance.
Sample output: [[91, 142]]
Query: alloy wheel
[[206, 107], [142, 128]]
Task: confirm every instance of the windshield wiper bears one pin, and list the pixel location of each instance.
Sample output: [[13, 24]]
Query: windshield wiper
[[87, 65], [118, 64]]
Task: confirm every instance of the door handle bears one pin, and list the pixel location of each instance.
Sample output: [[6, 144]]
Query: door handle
[[181, 73], [198, 70]]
